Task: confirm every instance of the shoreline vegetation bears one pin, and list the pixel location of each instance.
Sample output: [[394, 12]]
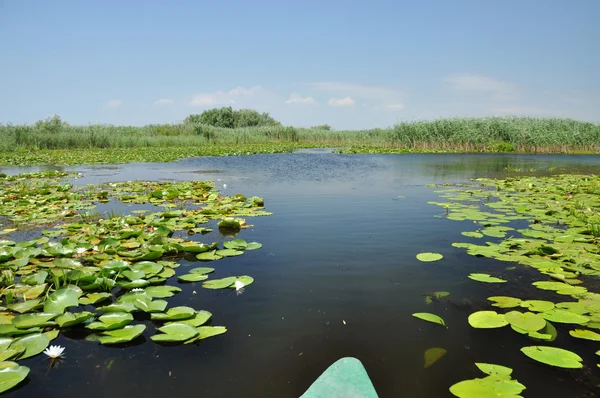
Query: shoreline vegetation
[[220, 132]]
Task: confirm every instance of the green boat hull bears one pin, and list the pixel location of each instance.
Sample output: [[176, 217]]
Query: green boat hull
[[346, 378]]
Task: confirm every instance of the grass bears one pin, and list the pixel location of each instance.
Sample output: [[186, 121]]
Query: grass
[[60, 143]]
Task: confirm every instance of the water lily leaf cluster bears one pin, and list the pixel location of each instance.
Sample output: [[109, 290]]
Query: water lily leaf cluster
[[96, 272], [497, 383]]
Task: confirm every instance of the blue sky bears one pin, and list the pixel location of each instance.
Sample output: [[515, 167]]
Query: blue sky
[[350, 64]]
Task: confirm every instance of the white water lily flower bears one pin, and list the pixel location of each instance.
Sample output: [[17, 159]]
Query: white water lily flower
[[81, 250], [137, 289], [54, 351], [239, 287], [95, 248]]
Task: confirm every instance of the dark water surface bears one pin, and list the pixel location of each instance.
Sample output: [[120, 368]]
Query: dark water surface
[[340, 247]]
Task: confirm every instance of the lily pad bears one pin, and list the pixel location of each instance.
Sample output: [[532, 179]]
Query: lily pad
[[585, 334], [554, 356], [125, 335], [174, 314], [162, 291], [429, 257], [61, 299], [111, 321], [192, 278], [69, 319], [564, 316], [486, 278], [38, 319], [432, 355], [487, 320], [426, 316], [199, 319], [24, 306], [208, 256], [537, 305], [205, 332], [175, 333], [505, 301], [492, 369], [527, 321], [219, 283], [33, 344], [11, 374]]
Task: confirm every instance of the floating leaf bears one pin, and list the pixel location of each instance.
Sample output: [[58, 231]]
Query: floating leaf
[[527, 321], [553, 356], [487, 320], [124, 335], [111, 321], [537, 305], [71, 319], [564, 316], [33, 344], [174, 314], [426, 316], [505, 302], [485, 278], [585, 334], [11, 374], [208, 256], [162, 291], [432, 355], [199, 319], [205, 332], [93, 298], [428, 257], [219, 283], [492, 369], [192, 278], [24, 306], [201, 270], [490, 386], [175, 332], [229, 253], [38, 319], [61, 299]]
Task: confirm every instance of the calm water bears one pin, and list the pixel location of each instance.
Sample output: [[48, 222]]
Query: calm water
[[340, 246]]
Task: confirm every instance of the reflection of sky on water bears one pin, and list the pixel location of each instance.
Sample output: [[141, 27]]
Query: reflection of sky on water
[[340, 247]]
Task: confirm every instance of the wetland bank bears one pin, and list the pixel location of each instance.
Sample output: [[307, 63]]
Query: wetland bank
[[335, 273]]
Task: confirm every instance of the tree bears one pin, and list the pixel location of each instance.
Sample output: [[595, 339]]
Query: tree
[[228, 118]]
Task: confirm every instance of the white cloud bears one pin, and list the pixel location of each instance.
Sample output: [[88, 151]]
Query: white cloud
[[370, 95], [397, 106], [230, 97], [297, 99], [114, 103], [477, 83], [164, 101], [347, 101]]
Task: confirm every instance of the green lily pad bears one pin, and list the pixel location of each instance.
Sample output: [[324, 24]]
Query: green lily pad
[[428, 257], [111, 321], [473, 234], [564, 316], [253, 246], [527, 321], [486, 278], [490, 386], [537, 305], [69, 319], [426, 316], [38, 319], [208, 256], [199, 319], [61, 299], [8, 353], [201, 270], [162, 291], [432, 355], [125, 335], [175, 333], [487, 320], [585, 334], [33, 344], [229, 253], [505, 301], [192, 278], [205, 332], [219, 283], [93, 298], [553, 356], [492, 369], [174, 314], [11, 374], [24, 306]]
